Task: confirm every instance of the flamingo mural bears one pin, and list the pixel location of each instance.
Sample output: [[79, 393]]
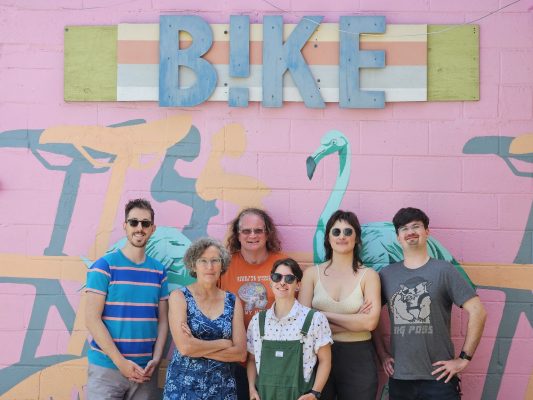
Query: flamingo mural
[[380, 245]]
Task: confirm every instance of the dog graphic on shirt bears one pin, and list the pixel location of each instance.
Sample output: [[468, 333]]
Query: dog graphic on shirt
[[411, 304]]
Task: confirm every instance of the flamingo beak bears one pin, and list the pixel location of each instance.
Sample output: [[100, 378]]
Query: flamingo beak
[[311, 166], [313, 160]]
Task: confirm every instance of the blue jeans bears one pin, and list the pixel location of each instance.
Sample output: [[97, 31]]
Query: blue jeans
[[424, 389]]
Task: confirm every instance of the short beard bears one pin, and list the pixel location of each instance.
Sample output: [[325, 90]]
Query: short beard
[[139, 246]]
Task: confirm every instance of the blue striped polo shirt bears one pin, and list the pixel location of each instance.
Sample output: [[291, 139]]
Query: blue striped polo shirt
[[132, 294]]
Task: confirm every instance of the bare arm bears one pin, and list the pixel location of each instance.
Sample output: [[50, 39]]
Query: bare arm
[[476, 323], [186, 344], [322, 372], [336, 328], [362, 321], [251, 371], [95, 303], [237, 352], [307, 287], [477, 316], [382, 345], [162, 333]]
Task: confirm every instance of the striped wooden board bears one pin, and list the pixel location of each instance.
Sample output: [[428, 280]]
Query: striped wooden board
[[109, 63], [403, 79]]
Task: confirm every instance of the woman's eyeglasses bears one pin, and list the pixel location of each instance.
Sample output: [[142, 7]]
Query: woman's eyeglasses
[[346, 231], [255, 231], [204, 262], [135, 222], [277, 277]]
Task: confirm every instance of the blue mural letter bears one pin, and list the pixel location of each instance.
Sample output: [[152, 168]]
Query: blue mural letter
[[172, 58], [278, 57], [351, 58]]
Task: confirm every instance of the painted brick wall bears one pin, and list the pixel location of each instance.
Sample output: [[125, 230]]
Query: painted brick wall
[[448, 158]]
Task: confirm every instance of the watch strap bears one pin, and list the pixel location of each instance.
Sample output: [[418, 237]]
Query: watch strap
[[465, 356]]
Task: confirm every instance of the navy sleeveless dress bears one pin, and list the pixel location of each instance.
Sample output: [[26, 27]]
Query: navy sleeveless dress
[[198, 378]]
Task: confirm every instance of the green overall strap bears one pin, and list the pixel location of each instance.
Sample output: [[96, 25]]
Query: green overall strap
[[307, 322], [262, 316]]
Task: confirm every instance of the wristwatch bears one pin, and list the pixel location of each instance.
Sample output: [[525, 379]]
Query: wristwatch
[[315, 393], [465, 356]]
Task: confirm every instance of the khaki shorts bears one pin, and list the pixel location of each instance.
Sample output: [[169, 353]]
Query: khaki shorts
[[110, 384]]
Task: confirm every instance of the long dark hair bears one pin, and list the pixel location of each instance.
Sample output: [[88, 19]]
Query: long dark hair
[[273, 243], [351, 219]]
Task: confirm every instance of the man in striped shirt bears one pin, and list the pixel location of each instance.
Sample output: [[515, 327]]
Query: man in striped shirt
[[126, 314]]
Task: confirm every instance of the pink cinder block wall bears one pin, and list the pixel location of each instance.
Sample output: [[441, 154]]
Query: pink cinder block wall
[[407, 154]]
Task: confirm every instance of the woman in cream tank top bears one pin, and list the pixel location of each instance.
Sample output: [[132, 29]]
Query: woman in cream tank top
[[348, 293]]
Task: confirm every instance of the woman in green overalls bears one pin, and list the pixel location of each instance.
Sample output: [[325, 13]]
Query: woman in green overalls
[[286, 342]]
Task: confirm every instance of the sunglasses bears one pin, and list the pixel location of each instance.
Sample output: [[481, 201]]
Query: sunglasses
[[255, 231], [277, 277], [346, 231], [135, 222]]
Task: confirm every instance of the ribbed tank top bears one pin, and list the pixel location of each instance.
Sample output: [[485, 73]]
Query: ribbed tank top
[[322, 301]]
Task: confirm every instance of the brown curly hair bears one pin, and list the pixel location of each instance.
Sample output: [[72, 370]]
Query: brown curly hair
[[196, 249], [273, 243]]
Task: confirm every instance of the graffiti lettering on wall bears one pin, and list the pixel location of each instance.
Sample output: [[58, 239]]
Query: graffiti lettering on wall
[[52, 282]]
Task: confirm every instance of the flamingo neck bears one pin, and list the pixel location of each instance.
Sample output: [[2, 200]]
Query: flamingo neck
[[335, 198]]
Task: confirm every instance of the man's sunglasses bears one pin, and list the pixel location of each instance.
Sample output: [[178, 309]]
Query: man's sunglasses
[[255, 231], [135, 222], [277, 277], [346, 231]]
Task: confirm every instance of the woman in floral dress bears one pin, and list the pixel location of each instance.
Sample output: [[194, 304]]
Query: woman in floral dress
[[207, 327]]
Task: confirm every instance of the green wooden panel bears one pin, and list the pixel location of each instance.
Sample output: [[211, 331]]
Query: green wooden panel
[[453, 62], [90, 63]]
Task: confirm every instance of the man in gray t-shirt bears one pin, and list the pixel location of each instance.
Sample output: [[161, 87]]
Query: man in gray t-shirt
[[419, 293]]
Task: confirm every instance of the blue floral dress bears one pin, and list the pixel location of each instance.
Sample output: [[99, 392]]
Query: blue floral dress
[[198, 378]]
